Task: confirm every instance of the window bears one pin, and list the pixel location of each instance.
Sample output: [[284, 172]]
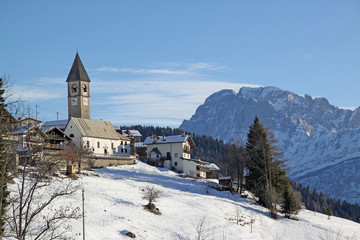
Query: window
[[176, 154], [125, 142], [105, 151], [98, 144], [122, 150], [175, 163], [121, 143], [74, 88], [88, 144], [112, 145], [84, 88], [71, 135], [126, 150]]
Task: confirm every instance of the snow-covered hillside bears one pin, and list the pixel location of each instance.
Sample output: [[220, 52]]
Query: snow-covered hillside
[[320, 141], [114, 205]]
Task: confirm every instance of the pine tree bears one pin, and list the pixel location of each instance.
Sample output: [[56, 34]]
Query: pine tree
[[259, 164], [3, 162], [328, 212], [290, 205], [266, 176]]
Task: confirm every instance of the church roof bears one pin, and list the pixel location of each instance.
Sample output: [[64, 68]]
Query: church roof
[[95, 128], [77, 72]]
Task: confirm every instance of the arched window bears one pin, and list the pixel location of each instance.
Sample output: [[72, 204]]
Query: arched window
[[74, 88], [72, 135], [84, 88]]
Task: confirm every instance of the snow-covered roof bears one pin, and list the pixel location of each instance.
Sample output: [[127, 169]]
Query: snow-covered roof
[[212, 166], [22, 130], [140, 145], [225, 178], [60, 124], [131, 133], [168, 139]]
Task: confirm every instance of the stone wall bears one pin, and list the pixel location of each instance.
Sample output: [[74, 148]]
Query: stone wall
[[99, 162]]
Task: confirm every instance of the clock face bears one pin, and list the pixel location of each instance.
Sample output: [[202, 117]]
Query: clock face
[[85, 101], [73, 101]]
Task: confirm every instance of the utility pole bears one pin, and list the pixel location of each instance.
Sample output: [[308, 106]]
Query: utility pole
[[83, 213], [36, 109]]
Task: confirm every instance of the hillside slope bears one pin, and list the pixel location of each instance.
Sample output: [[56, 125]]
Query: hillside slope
[[313, 134], [114, 205]]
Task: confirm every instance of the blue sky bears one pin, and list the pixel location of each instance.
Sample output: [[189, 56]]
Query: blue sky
[[155, 62]]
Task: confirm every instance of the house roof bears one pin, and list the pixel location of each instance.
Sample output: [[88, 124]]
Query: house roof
[[60, 124], [95, 128], [29, 120], [55, 130], [140, 145], [22, 130], [131, 133], [155, 150], [77, 72], [122, 137], [169, 139], [213, 166]]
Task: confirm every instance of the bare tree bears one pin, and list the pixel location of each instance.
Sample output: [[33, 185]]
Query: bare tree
[[237, 157], [80, 155], [151, 194], [32, 213]]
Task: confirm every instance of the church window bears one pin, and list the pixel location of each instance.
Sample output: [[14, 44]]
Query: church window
[[84, 88], [74, 88], [98, 144]]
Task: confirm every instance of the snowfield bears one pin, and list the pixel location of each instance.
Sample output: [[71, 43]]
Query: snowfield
[[114, 205]]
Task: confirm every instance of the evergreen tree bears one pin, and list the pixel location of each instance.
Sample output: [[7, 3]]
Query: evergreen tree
[[266, 176], [289, 203], [259, 164], [3, 162], [328, 212]]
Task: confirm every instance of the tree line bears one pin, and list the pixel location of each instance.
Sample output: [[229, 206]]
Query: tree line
[[319, 202]]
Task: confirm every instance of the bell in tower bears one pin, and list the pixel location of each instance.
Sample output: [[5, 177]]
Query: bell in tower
[[78, 90]]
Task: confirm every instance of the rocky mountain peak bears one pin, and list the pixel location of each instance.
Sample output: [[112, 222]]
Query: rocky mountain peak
[[313, 134]]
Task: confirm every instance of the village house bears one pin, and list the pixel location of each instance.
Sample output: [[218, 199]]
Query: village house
[[34, 142], [174, 152]]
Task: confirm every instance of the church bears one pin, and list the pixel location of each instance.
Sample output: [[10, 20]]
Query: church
[[108, 147]]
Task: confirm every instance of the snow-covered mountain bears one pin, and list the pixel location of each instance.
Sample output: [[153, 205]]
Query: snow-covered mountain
[[320, 141], [114, 206]]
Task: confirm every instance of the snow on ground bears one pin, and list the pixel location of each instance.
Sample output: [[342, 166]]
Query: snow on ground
[[114, 205]]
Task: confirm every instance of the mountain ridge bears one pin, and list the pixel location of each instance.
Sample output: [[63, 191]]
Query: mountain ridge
[[312, 133]]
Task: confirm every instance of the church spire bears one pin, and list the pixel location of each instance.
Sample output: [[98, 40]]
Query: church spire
[[77, 72]]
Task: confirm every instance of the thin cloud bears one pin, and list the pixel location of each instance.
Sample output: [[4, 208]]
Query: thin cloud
[[169, 69], [307, 56], [157, 71], [146, 99], [108, 69]]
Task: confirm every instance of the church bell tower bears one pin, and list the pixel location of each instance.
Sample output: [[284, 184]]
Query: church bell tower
[[78, 83]]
